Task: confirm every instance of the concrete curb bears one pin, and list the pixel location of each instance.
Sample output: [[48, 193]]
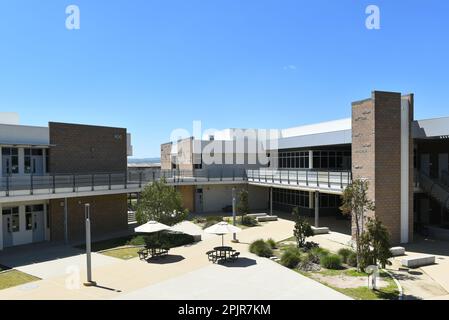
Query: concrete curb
[[401, 290]]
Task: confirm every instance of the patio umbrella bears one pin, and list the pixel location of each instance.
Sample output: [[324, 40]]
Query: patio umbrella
[[151, 227], [221, 229]]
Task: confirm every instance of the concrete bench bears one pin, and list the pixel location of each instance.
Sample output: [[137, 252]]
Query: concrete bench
[[397, 251], [418, 261], [322, 230], [256, 215], [267, 218]]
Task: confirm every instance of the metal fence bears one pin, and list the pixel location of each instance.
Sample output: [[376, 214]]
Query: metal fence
[[307, 178]]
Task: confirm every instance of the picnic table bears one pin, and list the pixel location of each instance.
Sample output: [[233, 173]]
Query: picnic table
[[152, 251], [222, 253]]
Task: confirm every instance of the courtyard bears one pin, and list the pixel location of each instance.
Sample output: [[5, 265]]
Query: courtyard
[[52, 271]]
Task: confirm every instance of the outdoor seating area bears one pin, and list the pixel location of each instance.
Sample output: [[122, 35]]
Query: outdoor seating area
[[222, 254], [152, 252]]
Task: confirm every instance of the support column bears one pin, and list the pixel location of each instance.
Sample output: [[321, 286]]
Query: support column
[[310, 159], [271, 201], [317, 209], [1, 225], [66, 225]]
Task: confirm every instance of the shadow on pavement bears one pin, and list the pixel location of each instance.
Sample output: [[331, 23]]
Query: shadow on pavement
[[239, 263], [165, 260], [36, 253]]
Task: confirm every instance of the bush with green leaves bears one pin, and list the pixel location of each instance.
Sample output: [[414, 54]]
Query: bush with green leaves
[[317, 253], [249, 221], [344, 254], [352, 260], [211, 220], [243, 204], [331, 261], [261, 248], [291, 258], [302, 229], [272, 243], [168, 240], [162, 203]]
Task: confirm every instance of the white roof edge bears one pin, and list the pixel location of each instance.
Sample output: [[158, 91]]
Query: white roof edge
[[316, 128]]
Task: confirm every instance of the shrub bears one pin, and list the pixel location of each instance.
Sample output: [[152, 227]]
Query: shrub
[[344, 254], [136, 241], [331, 261], [302, 229], [317, 253], [249, 221], [169, 239], [308, 263], [291, 258], [272, 243], [211, 220], [352, 259], [261, 248]]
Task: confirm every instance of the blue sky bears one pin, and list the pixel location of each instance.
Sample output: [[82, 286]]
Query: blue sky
[[153, 66]]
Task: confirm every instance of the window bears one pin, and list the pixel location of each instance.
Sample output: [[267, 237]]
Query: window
[[15, 225], [10, 158], [27, 165], [29, 220]]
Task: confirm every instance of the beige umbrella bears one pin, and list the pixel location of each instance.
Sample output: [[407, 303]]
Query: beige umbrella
[[151, 227], [222, 228]]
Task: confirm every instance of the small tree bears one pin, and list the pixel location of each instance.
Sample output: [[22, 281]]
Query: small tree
[[375, 243], [356, 203], [302, 229], [162, 203], [243, 205]]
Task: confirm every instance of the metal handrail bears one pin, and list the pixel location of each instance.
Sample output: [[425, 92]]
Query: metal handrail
[[309, 177]]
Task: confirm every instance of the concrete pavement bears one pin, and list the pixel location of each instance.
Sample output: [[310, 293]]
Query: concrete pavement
[[125, 278]]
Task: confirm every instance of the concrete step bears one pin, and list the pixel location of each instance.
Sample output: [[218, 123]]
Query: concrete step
[[255, 215], [266, 218]]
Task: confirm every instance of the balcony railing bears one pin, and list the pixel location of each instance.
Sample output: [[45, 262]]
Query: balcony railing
[[70, 183], [333, 180], [60, 183], [189, 176]]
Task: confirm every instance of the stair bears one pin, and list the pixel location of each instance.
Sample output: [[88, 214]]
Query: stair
[[435, 188]]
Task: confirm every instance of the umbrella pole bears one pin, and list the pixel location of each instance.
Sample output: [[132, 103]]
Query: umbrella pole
[[222, 240]]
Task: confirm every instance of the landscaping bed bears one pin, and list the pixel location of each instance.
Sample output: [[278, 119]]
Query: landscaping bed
[[335, 270], [12, 278], [345, 278], [127, 247], [207, 221]]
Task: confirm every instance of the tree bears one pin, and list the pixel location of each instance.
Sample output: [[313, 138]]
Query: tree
[[375, 243], [162, 203], [356, 203], [243, 205], [302, 229]]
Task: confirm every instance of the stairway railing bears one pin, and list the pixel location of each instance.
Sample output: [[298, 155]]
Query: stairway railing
[[434, 188]]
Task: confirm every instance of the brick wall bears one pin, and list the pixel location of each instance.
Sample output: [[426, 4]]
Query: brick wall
[[87, 149], [376, 156], [108, 215]]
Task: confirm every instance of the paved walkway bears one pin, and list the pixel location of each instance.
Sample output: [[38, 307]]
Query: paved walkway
[[252, 278], [63, 275]]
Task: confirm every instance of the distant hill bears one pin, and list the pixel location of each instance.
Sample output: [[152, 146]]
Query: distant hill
[[145, 160]]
